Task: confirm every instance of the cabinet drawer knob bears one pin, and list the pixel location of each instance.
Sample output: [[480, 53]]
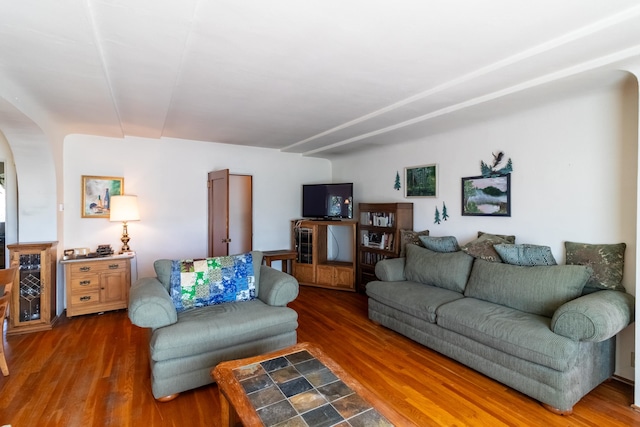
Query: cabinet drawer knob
[[114, 266], [85, 282], [85, 269], [85, 298]]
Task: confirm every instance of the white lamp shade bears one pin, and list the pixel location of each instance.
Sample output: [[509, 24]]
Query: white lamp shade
[[124, 208]]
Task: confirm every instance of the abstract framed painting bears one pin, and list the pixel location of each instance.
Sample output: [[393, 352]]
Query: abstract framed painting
[[486, 196], [96, 194]]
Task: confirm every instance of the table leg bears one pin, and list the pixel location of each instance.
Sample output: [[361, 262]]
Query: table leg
[[228, 415]]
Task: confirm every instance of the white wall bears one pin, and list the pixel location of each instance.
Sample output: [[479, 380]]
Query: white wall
[[575, 167], [170, 178], [11, 192]]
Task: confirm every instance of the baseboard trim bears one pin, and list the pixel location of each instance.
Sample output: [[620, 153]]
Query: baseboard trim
[[623, 380]]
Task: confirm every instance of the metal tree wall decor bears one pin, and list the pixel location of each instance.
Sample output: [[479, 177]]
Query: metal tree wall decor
[[396, 185], [437, 219]]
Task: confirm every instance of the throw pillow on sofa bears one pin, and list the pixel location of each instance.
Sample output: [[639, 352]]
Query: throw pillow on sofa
[[606, 262], [509, 238], [199, 283], [525, 254], [483, 248], [538, 290], [448, 270], [410, 237], [440, 244]]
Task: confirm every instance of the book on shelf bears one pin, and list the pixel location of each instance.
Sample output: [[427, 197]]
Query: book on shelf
[[371, 258], [378, 240], [377, 219]]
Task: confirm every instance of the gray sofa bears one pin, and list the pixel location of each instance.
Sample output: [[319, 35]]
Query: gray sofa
[[185, 346], [531, 328]]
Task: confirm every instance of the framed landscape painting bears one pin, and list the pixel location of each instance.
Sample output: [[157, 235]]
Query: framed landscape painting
[[486, 196], [96, 194], [421, 181]]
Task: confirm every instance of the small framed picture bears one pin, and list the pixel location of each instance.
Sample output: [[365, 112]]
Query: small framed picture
[[486, 196], [96, 194], [421, 181]]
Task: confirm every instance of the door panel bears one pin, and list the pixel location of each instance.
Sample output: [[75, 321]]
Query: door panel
[[218, 213], [240, 213], [230, 213]]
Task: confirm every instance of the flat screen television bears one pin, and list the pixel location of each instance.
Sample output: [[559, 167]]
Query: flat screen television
[[327, 201]]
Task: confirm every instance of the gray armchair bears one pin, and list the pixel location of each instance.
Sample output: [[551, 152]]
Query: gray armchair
[[185, 346]]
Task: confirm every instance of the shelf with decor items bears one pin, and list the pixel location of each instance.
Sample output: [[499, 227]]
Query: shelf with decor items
[[325, 253], [379, 238]]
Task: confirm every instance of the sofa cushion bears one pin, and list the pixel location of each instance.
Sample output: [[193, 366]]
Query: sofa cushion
[[538, 290], [527, 255], [482, 247], [220, 326], [514, 332], [440, 244], [409, 237], [605, 261], [199, 283], [444, 270], [416, 299]]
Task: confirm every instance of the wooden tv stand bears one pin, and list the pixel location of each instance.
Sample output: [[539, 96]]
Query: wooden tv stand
[[325, 253]]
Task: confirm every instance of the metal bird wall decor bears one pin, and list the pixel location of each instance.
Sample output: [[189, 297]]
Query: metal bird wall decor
[[492, 170]]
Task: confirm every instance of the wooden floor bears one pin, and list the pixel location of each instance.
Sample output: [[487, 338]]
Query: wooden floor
[[93, 371]]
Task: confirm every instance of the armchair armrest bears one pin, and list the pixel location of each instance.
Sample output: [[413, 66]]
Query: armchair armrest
[[390, 270], [594, 317], [150, 305], [275, 287]]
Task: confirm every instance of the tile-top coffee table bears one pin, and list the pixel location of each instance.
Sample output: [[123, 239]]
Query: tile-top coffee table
[[297, 386]]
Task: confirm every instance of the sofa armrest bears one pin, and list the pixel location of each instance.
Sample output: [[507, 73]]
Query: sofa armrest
[[594, 317], [150, 305], [390, 270], [275, 287]]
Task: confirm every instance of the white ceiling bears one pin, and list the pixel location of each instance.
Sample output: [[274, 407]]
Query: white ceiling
[[318, 77]]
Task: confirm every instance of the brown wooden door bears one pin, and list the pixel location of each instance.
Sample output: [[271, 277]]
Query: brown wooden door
[[230, 213], [218, 213]]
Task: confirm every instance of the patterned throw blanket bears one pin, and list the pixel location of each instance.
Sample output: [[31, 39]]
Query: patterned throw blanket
[[203, 282]]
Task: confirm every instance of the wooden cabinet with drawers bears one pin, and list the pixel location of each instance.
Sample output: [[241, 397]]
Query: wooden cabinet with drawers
[[94, 285]]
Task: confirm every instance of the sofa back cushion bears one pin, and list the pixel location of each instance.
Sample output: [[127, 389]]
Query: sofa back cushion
[[210, 281], [537, 290], [448, 270]]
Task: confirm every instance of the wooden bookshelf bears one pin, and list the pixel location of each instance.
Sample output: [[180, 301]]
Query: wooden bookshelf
[[379, 235]]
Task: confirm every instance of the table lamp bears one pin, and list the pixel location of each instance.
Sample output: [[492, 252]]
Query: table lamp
[[124, 208]]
